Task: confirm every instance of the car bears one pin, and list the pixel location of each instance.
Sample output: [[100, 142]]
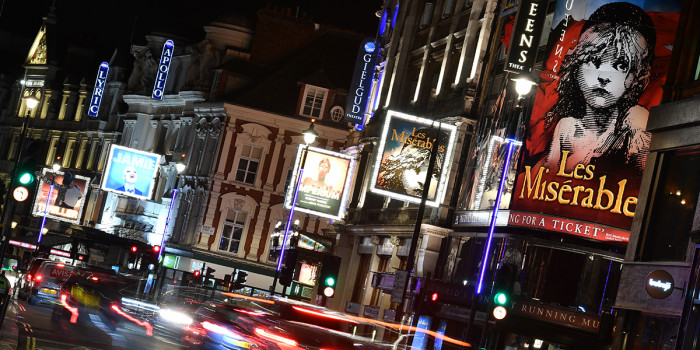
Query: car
[[26, 278], [43, 283], [92, 290], [243, 322]]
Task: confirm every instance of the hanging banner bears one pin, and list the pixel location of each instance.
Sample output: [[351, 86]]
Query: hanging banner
[[586, 144], [67, 197], [404, 155], [325, 182], [361, 82], [98, 90], [163, 69], [130, 172]]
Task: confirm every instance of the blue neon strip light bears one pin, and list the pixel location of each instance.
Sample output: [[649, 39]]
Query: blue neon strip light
[[46, 210], [396, 13], [382, 23], [492, 227], [167, 221], [607, 279], [98, 90], [163, 68], [291, 214]]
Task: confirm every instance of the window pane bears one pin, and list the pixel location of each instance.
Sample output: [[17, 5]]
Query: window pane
[[224, 244], [227, 231], [241, 218], [252, 167], [250, 178], [256, 152], [231, 215], [234, 247], [240, 176], [237, 232], [246, 151]]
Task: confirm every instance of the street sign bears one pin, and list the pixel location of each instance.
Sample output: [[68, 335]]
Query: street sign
[[400, 279], [20, 194]]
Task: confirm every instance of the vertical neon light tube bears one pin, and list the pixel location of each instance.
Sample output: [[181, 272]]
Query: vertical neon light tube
[[602, 299], [167, 222], [492, 226], [291, 211], [46, 210]]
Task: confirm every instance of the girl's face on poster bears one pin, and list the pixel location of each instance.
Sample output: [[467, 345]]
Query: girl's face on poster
[[604, 79]]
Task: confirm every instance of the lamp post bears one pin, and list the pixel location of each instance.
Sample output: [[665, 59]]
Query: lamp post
[[310, 136], [56, 168], [523, 86], [31, 103]]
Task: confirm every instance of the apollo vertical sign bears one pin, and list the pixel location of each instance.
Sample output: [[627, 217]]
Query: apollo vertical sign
[[163, 68], [99, 89], [526, 36], [361, 82]]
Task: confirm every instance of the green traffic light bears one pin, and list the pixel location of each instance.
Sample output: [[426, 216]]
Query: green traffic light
[[500, 298], [330, 281], [26, 178]]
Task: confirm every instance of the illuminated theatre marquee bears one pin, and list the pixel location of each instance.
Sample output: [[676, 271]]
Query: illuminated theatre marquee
[[98, 90], [404, 154], [130, 172], [163, 68], [68, 196], [325, 182]]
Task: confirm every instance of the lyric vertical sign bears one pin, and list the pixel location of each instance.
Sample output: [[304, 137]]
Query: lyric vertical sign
[[99, 89], [361, 82], [163, 68], [526, 36]]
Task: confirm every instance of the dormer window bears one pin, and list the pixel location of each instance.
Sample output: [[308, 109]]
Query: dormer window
[[313, 102]]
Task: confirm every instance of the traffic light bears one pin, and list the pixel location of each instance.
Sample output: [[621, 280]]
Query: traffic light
[[156, 249], [133, 256], [23, 183], [290, 263], [197, 276], [210, 274], [329, 276], [434, 297], [241, 278], [503, 289]]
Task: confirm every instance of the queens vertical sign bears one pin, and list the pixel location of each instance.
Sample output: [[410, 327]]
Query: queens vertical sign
[[163, 68], [361, 82], [99, 89], [526, 36]]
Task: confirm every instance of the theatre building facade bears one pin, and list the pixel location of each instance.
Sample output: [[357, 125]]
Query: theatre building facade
[[556, 178]]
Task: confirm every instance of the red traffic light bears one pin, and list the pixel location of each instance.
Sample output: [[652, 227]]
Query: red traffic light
[[156, 248], [134, 249], [434, 297], [196, 273]]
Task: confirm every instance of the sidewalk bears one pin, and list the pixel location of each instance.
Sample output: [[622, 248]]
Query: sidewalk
[[9, 333]]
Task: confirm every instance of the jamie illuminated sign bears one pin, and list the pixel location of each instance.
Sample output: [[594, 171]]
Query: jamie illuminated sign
[[163, 68], [361, 82], [130, 172], [98, 90], [404, 154]]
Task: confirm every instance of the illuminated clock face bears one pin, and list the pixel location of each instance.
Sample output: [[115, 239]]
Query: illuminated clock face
[[20, 194]]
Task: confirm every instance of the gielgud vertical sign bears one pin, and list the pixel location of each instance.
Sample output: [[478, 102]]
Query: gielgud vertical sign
[[586, 143]]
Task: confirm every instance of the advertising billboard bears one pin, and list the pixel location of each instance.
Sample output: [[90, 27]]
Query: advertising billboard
[[130, 172], [586, 144], [325, 182], [404, 154], [67, 196]]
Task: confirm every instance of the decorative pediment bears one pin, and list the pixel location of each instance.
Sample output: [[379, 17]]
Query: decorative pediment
[[37, 53]]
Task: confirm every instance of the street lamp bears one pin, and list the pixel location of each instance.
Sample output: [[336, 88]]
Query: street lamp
[[180, 167], [55, 168], [310, 136]]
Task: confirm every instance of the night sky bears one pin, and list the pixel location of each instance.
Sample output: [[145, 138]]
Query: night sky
[[108, 24]]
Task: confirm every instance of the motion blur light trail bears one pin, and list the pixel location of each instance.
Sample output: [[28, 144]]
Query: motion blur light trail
[[149, 328], [73, 310], [411, 329]]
